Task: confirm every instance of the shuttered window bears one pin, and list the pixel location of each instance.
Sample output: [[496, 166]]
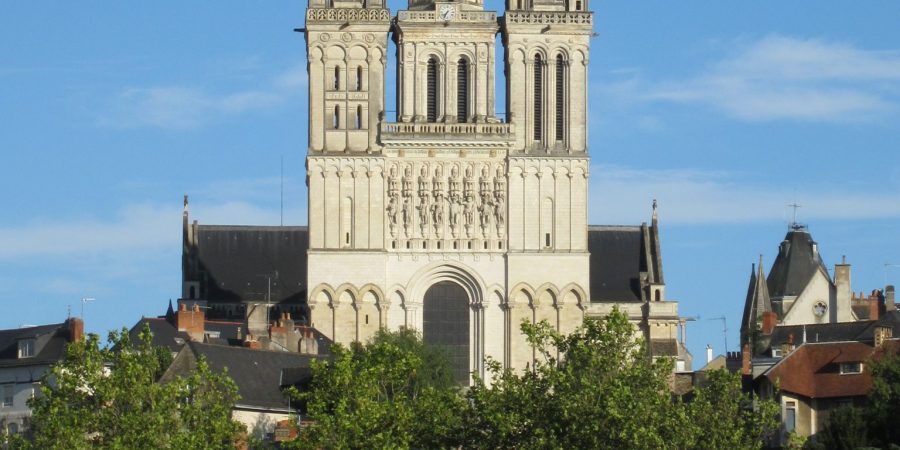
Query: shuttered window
[[432, 80], [560, 98], [538, 99], [462, 90]]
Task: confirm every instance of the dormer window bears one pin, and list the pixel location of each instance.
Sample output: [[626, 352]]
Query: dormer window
[[851, 368], [26, 348]]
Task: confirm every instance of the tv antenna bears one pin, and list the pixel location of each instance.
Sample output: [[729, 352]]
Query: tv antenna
[[724, 329], [83, 301]]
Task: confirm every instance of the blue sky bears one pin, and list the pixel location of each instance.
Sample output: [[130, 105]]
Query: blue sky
[[724, 111]]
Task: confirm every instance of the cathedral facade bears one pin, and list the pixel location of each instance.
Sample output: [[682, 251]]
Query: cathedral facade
[[449, 218]]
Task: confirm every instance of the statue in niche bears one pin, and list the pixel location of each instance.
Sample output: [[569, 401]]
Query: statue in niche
[[393, 183], [407, 182], [485, 182], [487, 210], [455, 200], [407, 213], [499, 180], [424, 209], [437, 207], [469, 212], [393, 210], [468, 183], [423, 181]]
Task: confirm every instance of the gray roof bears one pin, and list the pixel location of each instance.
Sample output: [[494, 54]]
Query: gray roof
[[165, 334], [795, 265], [259, 375], [50, 344], [232, 263], [620, 256], [757, 301], [863, 330]]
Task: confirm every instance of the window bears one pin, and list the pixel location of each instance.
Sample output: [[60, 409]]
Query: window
[[546, 239], [8, 391], [560, 98], [851, 368], [359, 117], [462, 90], [431, 79], [776, 352], [359, 78], [336, 121], [538, 103], [337, 77], [790, 416], [26, 348]]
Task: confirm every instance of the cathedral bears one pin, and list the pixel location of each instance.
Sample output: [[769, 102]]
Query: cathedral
[[443, 216]]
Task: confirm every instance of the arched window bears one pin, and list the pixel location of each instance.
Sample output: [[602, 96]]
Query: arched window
[[560, 98], [359, 80], [359, 114], [432, 81], [337, 77], [336, 122], [538, 98], [462, 90]]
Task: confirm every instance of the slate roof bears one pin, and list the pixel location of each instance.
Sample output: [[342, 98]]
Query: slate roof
[[835, 332], [795, 264], [618, 256], [757, 301], [50, 344], [259, 375], [165, 334], [232, 263]]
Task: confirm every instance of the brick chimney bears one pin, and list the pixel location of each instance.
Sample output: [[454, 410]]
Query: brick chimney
[[251, 343], [192, 322], [769, 322], [745, 360], [874, 305], [76, 329]]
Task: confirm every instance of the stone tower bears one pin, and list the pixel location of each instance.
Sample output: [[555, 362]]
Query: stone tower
[[448, 220]]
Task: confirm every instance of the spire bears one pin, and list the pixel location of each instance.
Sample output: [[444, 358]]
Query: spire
[[655, 216], [758, 301]]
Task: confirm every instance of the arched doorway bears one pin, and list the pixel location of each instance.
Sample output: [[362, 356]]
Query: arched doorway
[[445, 323]]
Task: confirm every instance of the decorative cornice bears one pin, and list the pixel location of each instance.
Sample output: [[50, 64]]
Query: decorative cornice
[[351, 15]]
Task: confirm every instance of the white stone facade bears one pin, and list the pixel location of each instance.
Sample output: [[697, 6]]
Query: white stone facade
[[449, 192]]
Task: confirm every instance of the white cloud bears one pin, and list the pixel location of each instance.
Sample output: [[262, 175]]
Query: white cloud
[[779, 77], [180, 107], [624, 195]]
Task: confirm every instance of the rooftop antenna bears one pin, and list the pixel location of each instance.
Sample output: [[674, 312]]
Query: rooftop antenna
[[795, 206], [724, 329], [282, 190], [83, 301]]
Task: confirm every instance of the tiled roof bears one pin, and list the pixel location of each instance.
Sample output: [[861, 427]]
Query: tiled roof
[[813, 370], [50, 341], [795, 265]]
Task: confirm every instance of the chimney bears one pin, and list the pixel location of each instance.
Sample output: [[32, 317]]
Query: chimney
[[251, 343], [192, 322], [788, 346], [882, 333], [708, 353], [769, 322], [889, 298], [745, 363], [874, 306], [239, 337], [76, 329], [843, 293]]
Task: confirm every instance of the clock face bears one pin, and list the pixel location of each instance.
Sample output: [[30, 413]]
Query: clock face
[[447, 12], [820, 308]]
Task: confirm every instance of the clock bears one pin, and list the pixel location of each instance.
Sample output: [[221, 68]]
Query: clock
[[447, 12], [820, 308]]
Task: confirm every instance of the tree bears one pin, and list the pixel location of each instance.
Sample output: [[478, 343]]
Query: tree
[[394, 392], [109, 397], [603, 391], [724, 417], [884, 399]]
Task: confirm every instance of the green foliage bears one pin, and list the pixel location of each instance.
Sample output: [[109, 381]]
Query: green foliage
[[604, 392], [884, 399], [725, 417], [394, 392], [595, 388], [109, 397], [845, 429]]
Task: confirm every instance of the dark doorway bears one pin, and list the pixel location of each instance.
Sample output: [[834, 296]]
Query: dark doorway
[[445, 323]]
